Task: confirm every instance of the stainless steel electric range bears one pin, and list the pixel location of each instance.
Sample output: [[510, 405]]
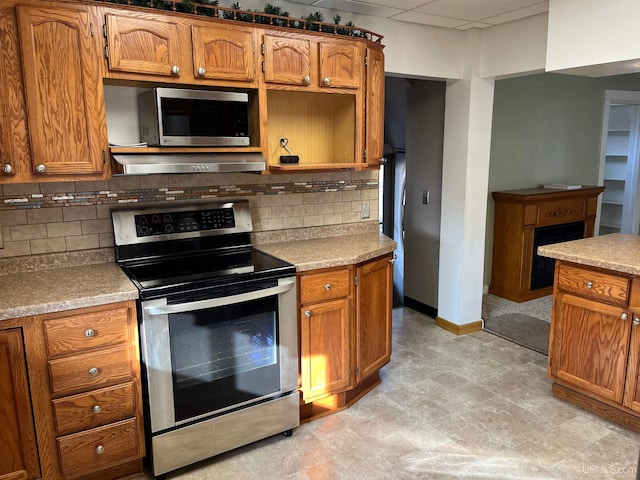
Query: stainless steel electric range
[[218, 330]]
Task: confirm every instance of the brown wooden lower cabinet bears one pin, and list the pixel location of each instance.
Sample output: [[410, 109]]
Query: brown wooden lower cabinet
[[78, 378], [345, 333], [18, 448], [594, 345]]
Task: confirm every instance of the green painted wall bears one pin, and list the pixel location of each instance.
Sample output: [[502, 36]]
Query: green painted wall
[[546, 128]]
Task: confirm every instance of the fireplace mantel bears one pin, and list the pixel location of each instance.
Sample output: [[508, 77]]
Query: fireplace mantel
[[518, 213]]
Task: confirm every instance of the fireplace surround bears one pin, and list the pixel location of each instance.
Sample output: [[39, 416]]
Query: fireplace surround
[[525, 219]]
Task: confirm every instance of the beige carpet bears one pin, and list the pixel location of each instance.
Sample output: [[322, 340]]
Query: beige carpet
[[525, 323]]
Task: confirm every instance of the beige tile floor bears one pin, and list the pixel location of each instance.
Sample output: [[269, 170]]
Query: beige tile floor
[[449, 407]]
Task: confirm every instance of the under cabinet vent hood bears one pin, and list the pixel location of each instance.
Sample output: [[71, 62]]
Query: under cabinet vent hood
[[145, 164]]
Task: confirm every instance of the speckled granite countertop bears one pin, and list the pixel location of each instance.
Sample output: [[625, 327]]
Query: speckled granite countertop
[[330, 251], [57, 289], [618, 252]]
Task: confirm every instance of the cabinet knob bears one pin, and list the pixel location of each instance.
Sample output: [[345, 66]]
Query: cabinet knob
[[175, 69], [636, 320], [99, 449], [201, 71], [307, 80], [326, 81], [393, 260], [7, 169], [327, 286], [589, 284], [307, 313], [41, 168], [96, 409], [624, 316], [89, 332], [93, 371]]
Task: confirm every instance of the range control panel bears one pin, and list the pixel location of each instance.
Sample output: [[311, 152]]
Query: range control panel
[[158, 223]]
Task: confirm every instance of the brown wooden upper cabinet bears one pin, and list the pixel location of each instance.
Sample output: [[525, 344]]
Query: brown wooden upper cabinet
[[340, 64], [320, 64], [287, 60], [63, 91], [223, 53], [374, 118], [146, 44], [194, 52]]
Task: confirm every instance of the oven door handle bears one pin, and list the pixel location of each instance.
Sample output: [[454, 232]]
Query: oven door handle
[[220, 302]]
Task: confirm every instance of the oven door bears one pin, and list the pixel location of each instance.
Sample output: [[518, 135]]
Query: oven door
[[205, 356]]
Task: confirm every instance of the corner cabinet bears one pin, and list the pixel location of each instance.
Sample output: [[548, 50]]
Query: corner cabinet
[[594, 346], [56, 101], [345, 333]]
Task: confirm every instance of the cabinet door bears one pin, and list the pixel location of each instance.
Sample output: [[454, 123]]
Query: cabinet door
[[63, 90], [340, 64], [589, 346], [373, 309], [632, 383], [223, 53], [147, 45], [19, 452], [15, 152], [325, 339], [287, 60], [374, 120]]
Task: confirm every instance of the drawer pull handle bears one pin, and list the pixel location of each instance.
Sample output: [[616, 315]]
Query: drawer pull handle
[[327, 287], [307, 313], [93, 371], [89, 332], [624, 316], [589, 285], [636, 320], [99, 449], [96, 409]]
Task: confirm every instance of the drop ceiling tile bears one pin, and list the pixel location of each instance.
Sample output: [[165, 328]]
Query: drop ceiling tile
[[473, 10], [357, 7], [304, 2], [520, 13], [425, 19], [400, 4], [470, 25]]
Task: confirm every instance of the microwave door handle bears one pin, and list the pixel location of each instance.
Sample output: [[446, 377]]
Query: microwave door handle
[[220, 302]]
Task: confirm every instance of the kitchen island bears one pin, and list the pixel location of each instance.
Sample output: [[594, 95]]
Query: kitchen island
[[594, 343]]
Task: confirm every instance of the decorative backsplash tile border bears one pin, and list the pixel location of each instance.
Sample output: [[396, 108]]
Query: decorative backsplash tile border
[[49, 218]]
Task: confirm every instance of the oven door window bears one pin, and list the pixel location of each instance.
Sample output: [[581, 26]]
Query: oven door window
[[224, 356]]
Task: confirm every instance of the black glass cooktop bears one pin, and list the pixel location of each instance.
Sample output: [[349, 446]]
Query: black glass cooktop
[[197, 270]]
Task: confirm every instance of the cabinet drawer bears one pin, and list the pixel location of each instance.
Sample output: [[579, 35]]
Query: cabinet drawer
[[98, 448], [593, 284], [316, 287], [83, 332], [93, 409], [90, 370]]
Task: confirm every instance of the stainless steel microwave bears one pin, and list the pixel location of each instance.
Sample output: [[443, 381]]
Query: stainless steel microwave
[[175, 117]]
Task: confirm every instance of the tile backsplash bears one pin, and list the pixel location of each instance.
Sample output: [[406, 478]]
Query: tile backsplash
[[75, 216]]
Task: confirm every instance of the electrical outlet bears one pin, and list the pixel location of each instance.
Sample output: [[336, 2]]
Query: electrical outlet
[[364, 209]]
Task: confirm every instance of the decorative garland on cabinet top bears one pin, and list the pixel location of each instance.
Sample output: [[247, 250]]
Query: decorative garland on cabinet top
[[272, 15]]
